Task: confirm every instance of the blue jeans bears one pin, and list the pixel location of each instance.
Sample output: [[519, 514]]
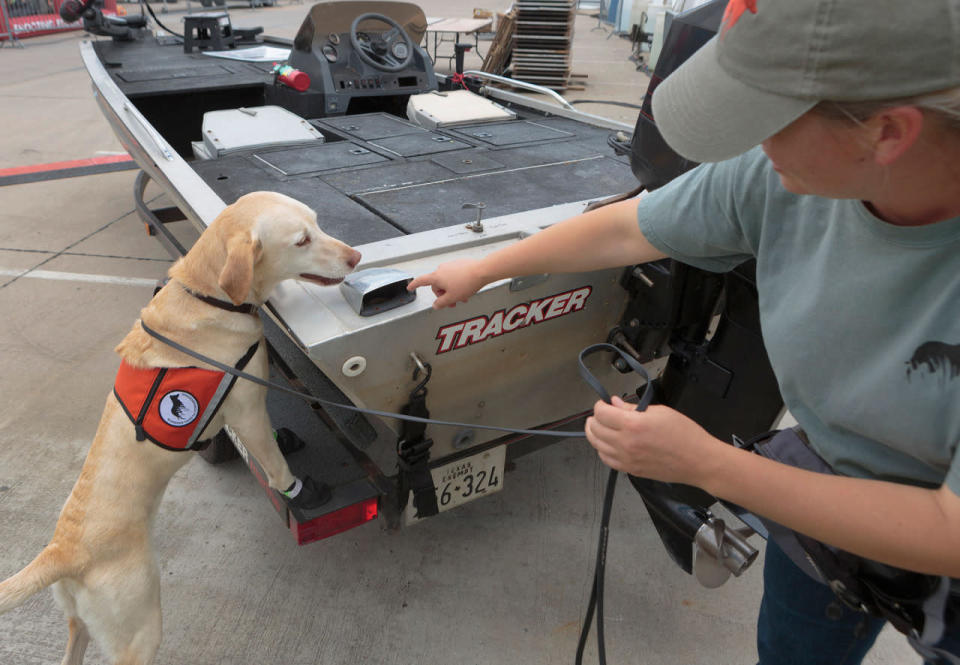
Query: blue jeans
[[801, 622]]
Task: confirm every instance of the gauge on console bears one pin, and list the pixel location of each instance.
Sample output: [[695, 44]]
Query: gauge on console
[[400, 51], [330, 53], [334, 38]]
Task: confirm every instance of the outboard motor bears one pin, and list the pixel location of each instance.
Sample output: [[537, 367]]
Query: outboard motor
[[121, 29], [652, 160], [723, 381]]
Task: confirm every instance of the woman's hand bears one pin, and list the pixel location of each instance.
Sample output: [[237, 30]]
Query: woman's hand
[[451, 282], [659, 443]]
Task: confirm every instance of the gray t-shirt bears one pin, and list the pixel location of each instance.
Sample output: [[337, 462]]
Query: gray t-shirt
[[861, 318]]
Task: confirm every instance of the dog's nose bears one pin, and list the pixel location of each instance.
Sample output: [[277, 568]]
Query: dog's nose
[[353, 258]]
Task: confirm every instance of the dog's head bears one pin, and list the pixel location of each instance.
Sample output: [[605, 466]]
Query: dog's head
[[262, 239]]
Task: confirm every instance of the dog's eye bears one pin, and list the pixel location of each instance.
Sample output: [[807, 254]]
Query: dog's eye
[[305, 240]]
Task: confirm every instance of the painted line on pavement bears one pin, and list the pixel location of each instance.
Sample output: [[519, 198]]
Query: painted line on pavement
[[19, 175], [78, 277]]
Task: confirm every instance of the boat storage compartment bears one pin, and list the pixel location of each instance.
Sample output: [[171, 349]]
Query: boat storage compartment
[[511, 132], [414, 145], [317, 158], [370, 126]]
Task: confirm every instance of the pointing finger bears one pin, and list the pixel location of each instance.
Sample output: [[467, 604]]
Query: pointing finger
[[417, 282]]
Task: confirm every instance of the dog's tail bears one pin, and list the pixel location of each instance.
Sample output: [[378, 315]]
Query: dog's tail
[[40, 573]]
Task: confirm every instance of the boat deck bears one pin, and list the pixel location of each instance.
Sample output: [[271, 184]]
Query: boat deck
[[156, 66], [378, 177], [375, 176]]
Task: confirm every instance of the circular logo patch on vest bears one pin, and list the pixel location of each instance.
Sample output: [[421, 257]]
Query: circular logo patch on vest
[[179, 408]]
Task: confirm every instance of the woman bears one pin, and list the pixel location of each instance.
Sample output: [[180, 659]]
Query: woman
[[851, 206]]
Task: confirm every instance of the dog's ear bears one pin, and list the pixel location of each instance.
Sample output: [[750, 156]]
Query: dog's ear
[[236, 277]]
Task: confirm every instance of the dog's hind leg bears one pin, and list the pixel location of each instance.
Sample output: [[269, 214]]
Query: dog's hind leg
[[79, 633], [120, 604], [142, 650], [139, 646], [77, 644], [133, 632]]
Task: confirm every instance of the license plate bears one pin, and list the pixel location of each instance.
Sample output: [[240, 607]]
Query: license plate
[[463, 481]]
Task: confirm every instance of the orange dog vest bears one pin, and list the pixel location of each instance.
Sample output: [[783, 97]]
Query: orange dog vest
[[172, 406]]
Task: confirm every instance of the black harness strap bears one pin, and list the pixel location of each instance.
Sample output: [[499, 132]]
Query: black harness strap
[[138, 422], [222, 397], [243, 308]]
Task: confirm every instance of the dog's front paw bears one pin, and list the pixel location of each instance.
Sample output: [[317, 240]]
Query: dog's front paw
[[312, 495]]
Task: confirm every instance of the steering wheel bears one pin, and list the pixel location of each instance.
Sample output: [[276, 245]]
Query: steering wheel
[[389, 51]]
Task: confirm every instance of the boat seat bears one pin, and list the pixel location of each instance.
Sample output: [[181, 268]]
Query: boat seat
[[254, 127], [211, 30], [456, 107]]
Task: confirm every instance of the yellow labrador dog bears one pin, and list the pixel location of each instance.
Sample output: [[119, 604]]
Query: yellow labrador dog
[[100, 560]]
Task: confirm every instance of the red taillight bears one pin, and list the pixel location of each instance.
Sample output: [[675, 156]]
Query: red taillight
[[318, 528], [336, 522]]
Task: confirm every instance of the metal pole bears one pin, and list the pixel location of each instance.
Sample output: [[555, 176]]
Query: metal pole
[[6, 32], [616, 26], [600, 12]]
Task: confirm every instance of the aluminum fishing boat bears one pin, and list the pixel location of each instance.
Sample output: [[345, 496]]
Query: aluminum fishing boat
[[414, 168]]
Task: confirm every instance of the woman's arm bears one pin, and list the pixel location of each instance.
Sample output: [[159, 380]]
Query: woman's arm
[[603, 238], [901, 525]]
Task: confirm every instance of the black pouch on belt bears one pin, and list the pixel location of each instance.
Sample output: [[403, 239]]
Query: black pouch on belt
[[908, 600]]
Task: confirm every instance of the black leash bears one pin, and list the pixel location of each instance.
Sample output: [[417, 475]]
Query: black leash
[[599, 571], [600, 568], [584, 372]]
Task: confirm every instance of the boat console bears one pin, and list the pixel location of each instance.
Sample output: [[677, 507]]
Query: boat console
[[355, 60]]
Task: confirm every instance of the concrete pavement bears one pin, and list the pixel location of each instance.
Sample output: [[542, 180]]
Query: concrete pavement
[[502, 580]]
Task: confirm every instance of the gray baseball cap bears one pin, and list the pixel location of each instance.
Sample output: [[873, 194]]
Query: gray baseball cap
[[773, 60]]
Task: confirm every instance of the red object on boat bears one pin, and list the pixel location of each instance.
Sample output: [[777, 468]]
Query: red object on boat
[[293, 78]]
